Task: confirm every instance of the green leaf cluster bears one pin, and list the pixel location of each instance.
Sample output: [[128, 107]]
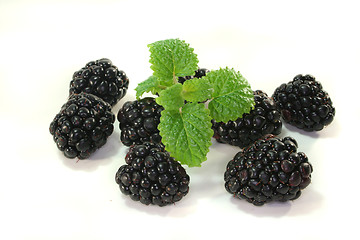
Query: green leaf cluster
[[185, 123], [170, 59], [187, 133]]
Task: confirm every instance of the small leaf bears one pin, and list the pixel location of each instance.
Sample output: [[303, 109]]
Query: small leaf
[[149, 85], [187, 133], [172, 58], [171, 98], [232, 96], [197, 90]]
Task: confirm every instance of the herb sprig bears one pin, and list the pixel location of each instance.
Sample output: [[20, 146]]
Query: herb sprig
[[185, 123]]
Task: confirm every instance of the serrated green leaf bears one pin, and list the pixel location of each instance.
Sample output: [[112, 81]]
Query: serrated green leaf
[[171, 98], [232, 96], [197, 90], [149, 85], [187, 133], [172, 58]]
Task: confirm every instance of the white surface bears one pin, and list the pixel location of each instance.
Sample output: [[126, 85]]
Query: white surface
[[46, 196]]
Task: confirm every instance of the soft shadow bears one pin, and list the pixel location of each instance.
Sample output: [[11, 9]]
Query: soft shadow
[[331, 131], [101, 157], [86, 165], [292, 128], [180, 209], [309, 201], [273, 209], [206, 182], [110, 149]]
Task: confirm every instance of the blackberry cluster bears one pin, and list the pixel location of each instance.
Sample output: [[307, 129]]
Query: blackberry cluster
[[139, 120], [303, 103], [151, 176], [102, 79], [201, 72], [271, 169], [82, 125], [262, 120]]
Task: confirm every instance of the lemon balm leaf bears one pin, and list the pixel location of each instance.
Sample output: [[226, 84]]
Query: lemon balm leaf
[[232, 96], [187, 134], [172, 58], [149, 85], [185, 122], [197, 90], [171, 98]]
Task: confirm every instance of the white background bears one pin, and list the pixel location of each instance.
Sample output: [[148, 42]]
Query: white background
[[43, 195]]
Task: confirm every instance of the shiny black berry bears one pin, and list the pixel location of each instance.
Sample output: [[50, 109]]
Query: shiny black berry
[[151, 176], [102, 79], [304, 104], [83, 125], [270, 169], [263, 119], [139, 120]]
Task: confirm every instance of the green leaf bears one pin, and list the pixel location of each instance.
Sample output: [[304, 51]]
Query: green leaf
[[187, 133], [232, 96], [197, 90], [172, 58], [149, 85], [171, 98]]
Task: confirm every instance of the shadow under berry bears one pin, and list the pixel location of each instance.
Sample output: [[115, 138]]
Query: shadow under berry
[[102, 156], [331, 131], [206, 182], [179, 209], [308, 202]]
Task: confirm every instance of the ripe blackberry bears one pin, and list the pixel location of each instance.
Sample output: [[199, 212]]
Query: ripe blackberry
[[102, 79], [151, 176], [201, 72], [262, 120], [139, 120], [83, 125], [303, 103], [271, 169]]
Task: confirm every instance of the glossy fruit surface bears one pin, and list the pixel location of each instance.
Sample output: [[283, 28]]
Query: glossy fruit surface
[[263, 119], [151, 176], [83, 125], [304, 104], [271, 169], [102, 79]]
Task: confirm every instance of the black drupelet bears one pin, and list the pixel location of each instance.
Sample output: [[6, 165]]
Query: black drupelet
[[263, 119], [271, 169], [138, 121], [151, 176], [102, 79], [304, 104], [83, 125]]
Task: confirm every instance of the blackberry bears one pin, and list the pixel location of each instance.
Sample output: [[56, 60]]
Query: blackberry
[[304, 104], [102, 79], [263, 119], [139, 120], [271, 169], [201, 72], [151, 176], [83, 125]]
